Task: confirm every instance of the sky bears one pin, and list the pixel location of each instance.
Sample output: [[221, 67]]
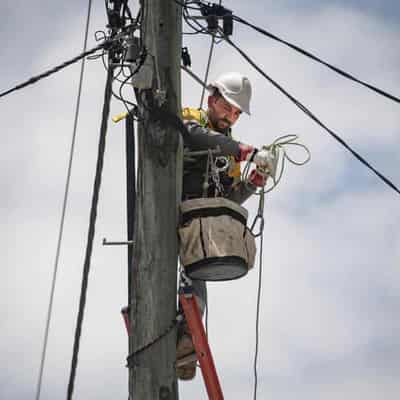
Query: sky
[[329, 323]]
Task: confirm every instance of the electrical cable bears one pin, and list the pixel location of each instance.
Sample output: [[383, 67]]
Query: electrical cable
[[133, 72], [207, 70], [56, 69], [317, 59], [258, 315], [91, 232], [130, 161], [202, 29], [186, 4], [121, 97], [64, 207], [194, 76], [279, 156], [312, 116], [301, 51]]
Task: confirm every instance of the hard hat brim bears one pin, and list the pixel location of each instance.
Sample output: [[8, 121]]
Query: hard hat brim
[[211, 88]]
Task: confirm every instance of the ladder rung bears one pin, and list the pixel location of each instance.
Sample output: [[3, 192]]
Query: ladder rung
[[186, 360]]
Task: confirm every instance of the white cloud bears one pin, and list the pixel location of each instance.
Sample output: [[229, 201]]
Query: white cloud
[[330, 278]]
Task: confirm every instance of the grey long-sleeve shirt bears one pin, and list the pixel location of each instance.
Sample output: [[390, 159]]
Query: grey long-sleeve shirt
[[201, 138]]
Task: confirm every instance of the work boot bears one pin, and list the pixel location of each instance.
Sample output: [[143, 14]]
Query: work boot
[[186, 359]]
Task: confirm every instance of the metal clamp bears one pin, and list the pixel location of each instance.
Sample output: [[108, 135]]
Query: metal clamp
[[223, 161]]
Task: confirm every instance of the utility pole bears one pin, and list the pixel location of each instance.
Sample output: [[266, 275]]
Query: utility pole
[[154, 273]]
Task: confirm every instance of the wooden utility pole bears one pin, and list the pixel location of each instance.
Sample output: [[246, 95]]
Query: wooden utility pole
[[154, 275]]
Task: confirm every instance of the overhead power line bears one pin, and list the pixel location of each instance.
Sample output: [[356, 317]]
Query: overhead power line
[[203, 29], [194, 76], [317, 59], [91, 232], [64, 207], [207, 69], [55, 69], [312, 116]]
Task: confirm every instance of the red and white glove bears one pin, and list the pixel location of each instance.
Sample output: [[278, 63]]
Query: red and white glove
[[262, 158], [258, 177], [246, 152], [266, 160]]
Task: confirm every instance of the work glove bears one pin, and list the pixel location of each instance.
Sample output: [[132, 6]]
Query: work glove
[[266, 160], [246, 152], [258, 177]]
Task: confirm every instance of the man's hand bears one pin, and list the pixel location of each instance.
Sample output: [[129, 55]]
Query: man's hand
[[258, 177], [246, 152], [266, 160], [262, 158]]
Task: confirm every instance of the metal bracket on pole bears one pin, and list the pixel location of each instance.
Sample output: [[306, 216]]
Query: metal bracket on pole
[[127, 243]]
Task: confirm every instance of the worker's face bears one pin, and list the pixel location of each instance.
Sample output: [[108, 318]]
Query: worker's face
[[222, 114]]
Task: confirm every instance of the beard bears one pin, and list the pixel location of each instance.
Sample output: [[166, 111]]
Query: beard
[[221, 124]]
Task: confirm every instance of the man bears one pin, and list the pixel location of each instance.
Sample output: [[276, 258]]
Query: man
[[229, 98]]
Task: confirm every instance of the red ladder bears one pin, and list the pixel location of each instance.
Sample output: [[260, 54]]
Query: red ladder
[[193, 318]]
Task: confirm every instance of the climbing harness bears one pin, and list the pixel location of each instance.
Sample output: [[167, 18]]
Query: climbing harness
[[214, 168]]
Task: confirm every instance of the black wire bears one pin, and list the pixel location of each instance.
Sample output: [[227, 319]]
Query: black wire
[[64, 207], [193, 23], [312, 116], [91, 232], [258, 316], [319, 60], [200, 28], [131, 358], [115, 78], [121, 97], [55, 69], [125, 102], [130, 149], [292, 46], [186, 4], [125, 81]]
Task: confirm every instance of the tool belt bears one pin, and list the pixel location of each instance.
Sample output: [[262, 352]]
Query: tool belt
[[215, 243]]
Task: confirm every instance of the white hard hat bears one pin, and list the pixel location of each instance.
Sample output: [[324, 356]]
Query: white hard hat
[[235, 88]]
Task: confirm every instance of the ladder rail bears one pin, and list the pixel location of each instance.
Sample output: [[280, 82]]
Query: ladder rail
[[193, 318]]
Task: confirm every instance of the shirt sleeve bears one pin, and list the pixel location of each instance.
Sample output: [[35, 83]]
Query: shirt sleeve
[[199, 138]]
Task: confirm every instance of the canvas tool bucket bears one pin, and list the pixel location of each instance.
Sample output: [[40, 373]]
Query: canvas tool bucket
[[215, 243]]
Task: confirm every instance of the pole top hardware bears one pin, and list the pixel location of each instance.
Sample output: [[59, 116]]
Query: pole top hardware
[[212, 13], [186, 59]]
